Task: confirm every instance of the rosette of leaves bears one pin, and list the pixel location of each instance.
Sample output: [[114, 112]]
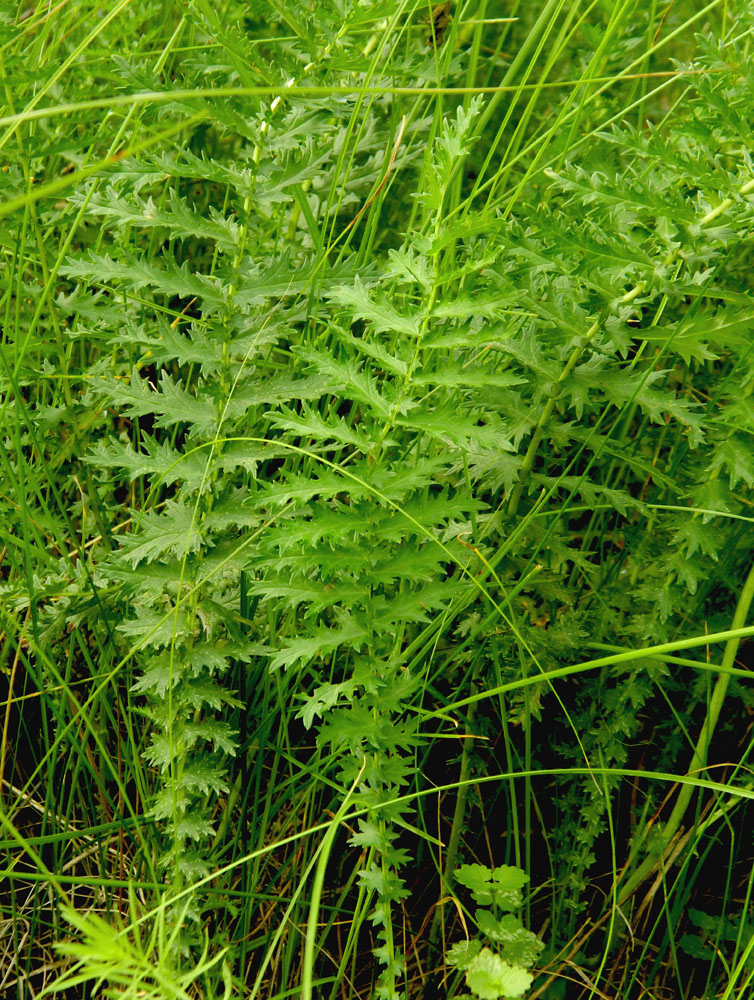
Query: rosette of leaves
[[499, 971]]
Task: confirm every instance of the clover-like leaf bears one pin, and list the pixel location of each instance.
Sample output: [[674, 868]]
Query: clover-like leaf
[[462, 954], [490, 977], [501, 886]]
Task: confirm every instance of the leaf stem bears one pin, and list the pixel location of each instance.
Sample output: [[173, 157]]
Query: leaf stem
[[459, 815], [531, 451]]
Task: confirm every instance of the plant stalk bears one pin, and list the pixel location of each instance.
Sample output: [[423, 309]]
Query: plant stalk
[[459, 814], [699, 758]]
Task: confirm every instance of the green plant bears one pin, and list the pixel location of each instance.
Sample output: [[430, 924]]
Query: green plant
[[500, 971], [364, 400]]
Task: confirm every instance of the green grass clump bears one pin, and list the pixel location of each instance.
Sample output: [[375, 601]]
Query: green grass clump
[[376, 521]]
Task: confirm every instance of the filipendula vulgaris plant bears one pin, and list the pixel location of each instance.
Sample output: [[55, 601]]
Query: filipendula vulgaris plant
[[361, 550], [194, 305]]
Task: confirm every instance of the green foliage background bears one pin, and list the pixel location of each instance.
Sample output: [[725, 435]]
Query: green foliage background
[[376, 487]]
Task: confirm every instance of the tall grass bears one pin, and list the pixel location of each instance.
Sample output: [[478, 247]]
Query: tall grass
[[376, 550]]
